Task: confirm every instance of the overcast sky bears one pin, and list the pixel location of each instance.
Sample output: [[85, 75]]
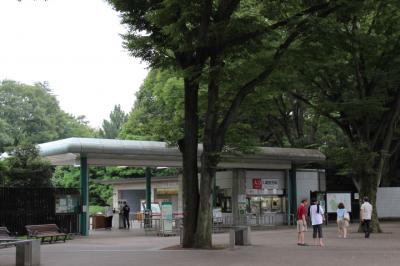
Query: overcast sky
[[74, 45]]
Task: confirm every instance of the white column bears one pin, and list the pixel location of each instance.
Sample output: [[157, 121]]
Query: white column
[[238, 190]]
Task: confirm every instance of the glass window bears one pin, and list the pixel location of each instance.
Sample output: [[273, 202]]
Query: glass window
[[265, 204], [277, 204]]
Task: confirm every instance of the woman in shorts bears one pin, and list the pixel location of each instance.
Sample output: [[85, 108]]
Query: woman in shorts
[[342, 220]]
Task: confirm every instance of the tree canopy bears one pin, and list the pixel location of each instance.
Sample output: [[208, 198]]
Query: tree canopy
[[111, 128], [348, 71], [231, 47], [25, 168], [31, 115]]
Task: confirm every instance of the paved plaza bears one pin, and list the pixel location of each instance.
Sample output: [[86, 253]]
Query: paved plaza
[[272, 247]]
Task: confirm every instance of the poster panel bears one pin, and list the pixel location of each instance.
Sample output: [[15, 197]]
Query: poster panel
[[333, 200], [166, 217]]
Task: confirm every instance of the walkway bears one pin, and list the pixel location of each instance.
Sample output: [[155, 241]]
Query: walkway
[[276, 247]]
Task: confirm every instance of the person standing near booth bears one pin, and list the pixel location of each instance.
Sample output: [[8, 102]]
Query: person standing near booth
[[125, 215], [109, 217], [301, 222], [317, 219]]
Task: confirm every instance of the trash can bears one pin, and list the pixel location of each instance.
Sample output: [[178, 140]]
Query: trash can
[[98, 221]]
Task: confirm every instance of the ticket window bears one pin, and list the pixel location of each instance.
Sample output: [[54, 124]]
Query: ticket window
[[224, 200], [265, 204], [277, 204]]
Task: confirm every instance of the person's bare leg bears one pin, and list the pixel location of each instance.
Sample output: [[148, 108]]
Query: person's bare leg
[[321, 242], [344, 232]]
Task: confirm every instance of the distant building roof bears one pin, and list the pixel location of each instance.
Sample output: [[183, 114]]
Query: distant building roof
[[111, 152]]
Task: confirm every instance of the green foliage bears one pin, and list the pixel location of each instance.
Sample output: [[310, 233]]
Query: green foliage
[[5, 135], [32, 112], [31, 115], [99, 194], [158, 110], [111, 128], [68, 176], [94, 209], [25, 168]]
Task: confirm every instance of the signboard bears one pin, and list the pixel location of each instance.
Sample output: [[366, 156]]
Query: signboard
[[66, 203], [333, 200], [259, 183], [259, 192], [166, 217], [217, 214], [242, 203], [270, 184]]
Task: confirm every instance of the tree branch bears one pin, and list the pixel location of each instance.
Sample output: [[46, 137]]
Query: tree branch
[[251, 35], [251, 85], [344, 127]]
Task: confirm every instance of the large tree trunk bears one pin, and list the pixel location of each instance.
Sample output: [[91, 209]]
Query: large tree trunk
[[189, 150], [210, 156], [204, 219]]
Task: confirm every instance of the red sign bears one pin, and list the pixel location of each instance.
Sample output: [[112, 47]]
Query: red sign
[[257, 183]]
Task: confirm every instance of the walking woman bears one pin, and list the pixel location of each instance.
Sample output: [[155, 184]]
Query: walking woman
[[317, 219], [342, 220]]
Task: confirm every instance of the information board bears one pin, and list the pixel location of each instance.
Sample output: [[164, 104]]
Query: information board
[[66, 203], [166, 217], [333, 200]]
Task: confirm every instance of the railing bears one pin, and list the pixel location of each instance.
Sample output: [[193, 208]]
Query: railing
[[268, 219], [156, 225]]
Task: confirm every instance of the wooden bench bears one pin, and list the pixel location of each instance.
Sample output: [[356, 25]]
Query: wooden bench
[[46, 232]]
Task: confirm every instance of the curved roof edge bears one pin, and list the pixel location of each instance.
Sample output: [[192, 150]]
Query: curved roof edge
[[123, 150]]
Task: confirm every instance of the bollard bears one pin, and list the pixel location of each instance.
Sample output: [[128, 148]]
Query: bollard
[[28, 253]]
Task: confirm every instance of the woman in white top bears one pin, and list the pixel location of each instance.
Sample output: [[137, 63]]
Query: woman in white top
[[317, 219]]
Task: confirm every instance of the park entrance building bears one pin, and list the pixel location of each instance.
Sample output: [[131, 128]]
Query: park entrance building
[[266, 181]]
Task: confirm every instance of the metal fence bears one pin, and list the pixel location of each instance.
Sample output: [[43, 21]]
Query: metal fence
[[155, 226], [270, 219], [25, 206]]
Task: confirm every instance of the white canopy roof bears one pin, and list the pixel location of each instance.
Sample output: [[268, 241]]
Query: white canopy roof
[[111, 152]]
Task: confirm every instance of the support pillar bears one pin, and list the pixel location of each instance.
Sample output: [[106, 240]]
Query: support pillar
[[239, 196], [84, 217], [147, 212], [292, 191], [148, 188]]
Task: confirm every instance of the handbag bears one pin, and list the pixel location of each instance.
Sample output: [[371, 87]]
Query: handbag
[[346, 217]]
